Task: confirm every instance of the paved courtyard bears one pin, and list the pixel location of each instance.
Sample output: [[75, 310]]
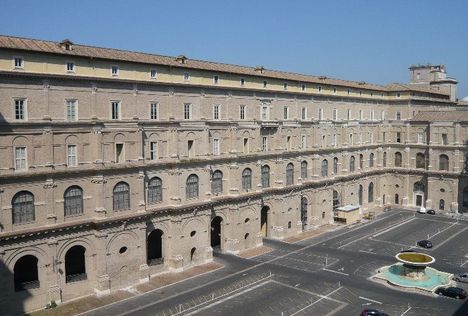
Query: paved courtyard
[[325, 275]]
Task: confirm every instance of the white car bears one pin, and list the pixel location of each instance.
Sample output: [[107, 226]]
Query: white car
[[462, 277], [422, 210]]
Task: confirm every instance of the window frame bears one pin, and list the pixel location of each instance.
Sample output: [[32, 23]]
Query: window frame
[[117, 72], [73, 68], [14, 62], [20, 107], [72, 158], [154, 110], [118, 107], [71, 104], [21, 159]]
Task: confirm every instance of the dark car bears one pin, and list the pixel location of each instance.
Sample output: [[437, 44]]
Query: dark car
[[373, 312], [430, 211], [425, 243], [454, 292]]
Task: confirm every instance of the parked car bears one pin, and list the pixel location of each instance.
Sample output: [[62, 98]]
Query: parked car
[[425, 243], [422, 210], [462, 277], [454, 292], [373, 312], [430, 211]]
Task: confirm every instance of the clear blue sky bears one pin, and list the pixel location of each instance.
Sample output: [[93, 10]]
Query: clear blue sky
[[368, 40]]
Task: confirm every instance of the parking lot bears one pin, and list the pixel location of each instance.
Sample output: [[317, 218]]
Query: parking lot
[[326, 275]]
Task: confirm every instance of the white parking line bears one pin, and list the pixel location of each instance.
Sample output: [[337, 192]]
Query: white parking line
[[370, 300], [322, 298], [406, 311], [441, 231], [365, 251], [450, 238], [333, 271], [395, 226]]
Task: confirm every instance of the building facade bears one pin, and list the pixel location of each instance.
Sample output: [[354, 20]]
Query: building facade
[[116, 166]]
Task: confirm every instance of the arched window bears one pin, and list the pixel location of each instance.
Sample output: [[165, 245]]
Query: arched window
[[352, 162], [155, 194], [361, 161], [441, 204], [371, 160], [397, 199], [443, 162], [335, 165], [121, 196], [370, 193], [191, 187], [217, 182], [265, 176], [26, 275], [398, 159], [247, 179], [304, 169], [73, 201], [418, 187], [23, 208], [290, 174], [324, 169], [336, 199], [75, 265], [420, 160], [465, 196], [384, 159]]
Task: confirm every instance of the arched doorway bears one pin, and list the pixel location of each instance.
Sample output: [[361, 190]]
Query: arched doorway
[[304, 205], [193, 253], [216, 232], [418, 191], [264, 221], [26, 274], [75, 264], [154, 248]]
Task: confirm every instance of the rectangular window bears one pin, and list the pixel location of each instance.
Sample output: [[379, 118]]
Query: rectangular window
[[70, 67], [242, 112], [349, 114], [288, 143], [382, 115], [265, 83], [304, 113], [383, 136], [216, 112], [335, 114], [285, 86], [190, 149], [154, 110], [264, 143], [360, 115], [20, 109], [319, 89], [265, 115], [245, 148], [334, 90], [351, 141], [420, 138], [18, 62], [72, 113], [334, 140], [20, 158], [153, 150], [398, 137], [398, 116], [303, 87], [186, 76], [115, 109], [153, 74], [216, 146], [71, 156], [215, 79], [286, 113], [115, 70], [320, 114], [242, 82], [187, 111], [444, 139], [303, 142], [119, 153]]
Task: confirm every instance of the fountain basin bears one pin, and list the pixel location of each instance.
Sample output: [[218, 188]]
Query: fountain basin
[[415, 259]]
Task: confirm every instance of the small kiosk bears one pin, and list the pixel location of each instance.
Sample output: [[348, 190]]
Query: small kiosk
[[348, 214]]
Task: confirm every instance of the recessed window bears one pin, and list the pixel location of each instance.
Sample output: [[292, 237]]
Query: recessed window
[[242, 112], [154, 110], [119, 153], [20, 158], [216, 112], [216, 146], [123, 250], [18, 62], [186, 76], [187, 111], [285, 86], [192, 233], [303, 87], [398, 95], [190, 149], [153, 74], [304, 113], [70, 67], [265, 83], [115, 110], [247, 220], [242, 82], [289, 224], [72, 110], [349, 92], [334, 90], [20, 110], [115, 70], [71, 156], [319, 88], [264, 143], [360, 93], [398, 116], [154, 150], [286, 113], [215, 79]]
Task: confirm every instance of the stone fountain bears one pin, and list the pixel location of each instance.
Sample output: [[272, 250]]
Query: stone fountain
[[413, 272]]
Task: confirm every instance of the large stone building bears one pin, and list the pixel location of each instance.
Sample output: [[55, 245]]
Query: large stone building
[[117, 165]]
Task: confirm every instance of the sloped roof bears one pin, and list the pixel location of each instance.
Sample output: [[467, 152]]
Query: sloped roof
[[11, 42], [442, 116]]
